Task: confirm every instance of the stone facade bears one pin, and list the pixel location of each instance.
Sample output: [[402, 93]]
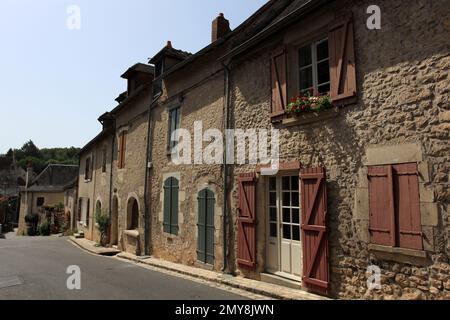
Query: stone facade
[[198, 91], [94, 189], [401, 115]]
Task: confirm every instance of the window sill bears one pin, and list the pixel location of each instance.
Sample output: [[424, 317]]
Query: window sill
[[310, 117], [131, 233], [399, 254]]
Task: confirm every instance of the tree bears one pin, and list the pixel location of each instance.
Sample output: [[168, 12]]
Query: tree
[[30, 150]]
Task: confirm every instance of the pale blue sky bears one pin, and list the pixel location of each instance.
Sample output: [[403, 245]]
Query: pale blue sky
[[54, 82]]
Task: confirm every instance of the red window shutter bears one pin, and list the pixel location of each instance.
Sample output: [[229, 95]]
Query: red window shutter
[[342, 61], [407, 206], [279, 83], [314, 229], [381, 204], [246, 255]]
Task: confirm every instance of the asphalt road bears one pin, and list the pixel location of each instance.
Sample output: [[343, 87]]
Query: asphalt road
[[35, 268]]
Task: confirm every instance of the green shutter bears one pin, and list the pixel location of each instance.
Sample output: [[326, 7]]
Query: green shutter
[[210, 202], [205, 250], [167, 193], [174, 212], [201, 250]]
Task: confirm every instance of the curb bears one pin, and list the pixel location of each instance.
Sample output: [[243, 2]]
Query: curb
[[105, 254], [231, 282]]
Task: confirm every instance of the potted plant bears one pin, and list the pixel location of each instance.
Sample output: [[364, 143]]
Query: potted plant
[[308, 103], [102, 222]]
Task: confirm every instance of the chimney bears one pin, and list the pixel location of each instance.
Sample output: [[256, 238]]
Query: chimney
[[29, 174], [220, 28]]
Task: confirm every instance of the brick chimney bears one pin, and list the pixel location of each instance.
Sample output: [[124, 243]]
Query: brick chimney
[[220, 28]]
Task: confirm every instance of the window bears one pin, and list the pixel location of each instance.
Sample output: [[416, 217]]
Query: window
[[104, 154], [394, 205], [171, 188], [284, 207], [87, 169], [88, 208], [174, 124], [314, 67], [122, 149], [40, 201]]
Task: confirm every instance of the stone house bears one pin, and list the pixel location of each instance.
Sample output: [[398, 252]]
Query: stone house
[[361, 187], [112, 166], [94, 179], [71, 203], [187, 222], [47, 189]]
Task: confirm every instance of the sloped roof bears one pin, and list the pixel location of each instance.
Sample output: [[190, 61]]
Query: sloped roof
[[54, 178], [169, 51], [247, 29], [138, 67], [289, 16]]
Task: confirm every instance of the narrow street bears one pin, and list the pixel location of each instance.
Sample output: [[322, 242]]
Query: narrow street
[[35, 268]]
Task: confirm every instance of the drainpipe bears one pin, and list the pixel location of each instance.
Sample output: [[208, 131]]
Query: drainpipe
[[148, 167], [111, 173], [225, 166]]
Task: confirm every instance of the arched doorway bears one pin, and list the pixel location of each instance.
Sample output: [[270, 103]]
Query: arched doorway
[[132, 214], [115, 222]]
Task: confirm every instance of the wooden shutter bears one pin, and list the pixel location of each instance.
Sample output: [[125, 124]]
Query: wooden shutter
[[314, 229], [167, 203], [279, 83], [246, 255], [92, 167], [174, 207], [407, 206], [171, 189], [342, 61], [206, 202], [381, 204]]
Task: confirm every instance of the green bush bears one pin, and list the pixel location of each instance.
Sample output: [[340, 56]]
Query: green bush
[[102, 220], [44, 228]]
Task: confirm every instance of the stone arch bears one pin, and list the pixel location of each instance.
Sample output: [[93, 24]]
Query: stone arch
[[132, 214]]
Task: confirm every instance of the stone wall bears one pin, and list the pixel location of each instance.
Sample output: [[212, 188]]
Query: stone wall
[[128, 182], [200, 95], [403, 98]]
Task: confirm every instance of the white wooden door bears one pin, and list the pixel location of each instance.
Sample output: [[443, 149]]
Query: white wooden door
[[284, 254]]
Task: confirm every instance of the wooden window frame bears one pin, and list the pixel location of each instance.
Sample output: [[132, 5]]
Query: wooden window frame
[[314, 64]]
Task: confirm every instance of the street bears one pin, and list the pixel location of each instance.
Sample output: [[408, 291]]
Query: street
[[35, 268]]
